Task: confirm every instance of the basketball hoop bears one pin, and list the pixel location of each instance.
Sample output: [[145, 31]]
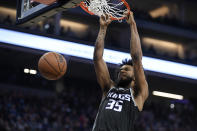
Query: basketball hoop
[[114, 8]]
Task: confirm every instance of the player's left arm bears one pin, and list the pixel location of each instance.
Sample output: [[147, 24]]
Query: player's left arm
[[136, 54]]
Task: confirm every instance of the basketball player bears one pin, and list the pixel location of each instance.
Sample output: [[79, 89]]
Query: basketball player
[[122, 100]]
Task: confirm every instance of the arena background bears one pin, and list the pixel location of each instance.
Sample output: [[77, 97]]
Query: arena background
[[28, 102]]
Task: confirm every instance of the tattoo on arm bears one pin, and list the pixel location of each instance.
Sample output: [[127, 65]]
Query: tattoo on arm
[[101, 35], [99, 45]]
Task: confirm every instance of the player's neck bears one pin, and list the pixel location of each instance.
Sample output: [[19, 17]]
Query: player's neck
[[125, 86], [132, 83]]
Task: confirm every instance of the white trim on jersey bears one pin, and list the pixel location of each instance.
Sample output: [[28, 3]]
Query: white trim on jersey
[[111, 89], [132, 97]]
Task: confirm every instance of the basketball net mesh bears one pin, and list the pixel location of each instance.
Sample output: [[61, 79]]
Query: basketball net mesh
[[113, 8]]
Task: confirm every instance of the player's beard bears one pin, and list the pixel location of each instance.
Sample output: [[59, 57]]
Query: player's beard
[[124, 82]]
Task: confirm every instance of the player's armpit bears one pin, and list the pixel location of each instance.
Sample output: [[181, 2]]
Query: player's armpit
[[142, 96], [139, 102], [141, 83]]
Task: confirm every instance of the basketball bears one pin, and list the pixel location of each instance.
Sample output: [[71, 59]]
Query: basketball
[[52, 66]]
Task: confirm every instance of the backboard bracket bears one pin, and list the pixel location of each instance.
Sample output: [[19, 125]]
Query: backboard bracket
[[41, 11]]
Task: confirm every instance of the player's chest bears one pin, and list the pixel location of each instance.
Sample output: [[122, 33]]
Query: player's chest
[[117, 100]]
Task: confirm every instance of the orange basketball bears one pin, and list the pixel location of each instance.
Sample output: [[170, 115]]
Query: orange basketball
[[52, 66]]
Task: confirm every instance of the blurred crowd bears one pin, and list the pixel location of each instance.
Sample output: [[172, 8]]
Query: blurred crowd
[[71, 112], [163, 117], [170, 19], [75, 110]]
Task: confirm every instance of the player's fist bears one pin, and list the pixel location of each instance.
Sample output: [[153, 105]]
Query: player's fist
[[105, 20]]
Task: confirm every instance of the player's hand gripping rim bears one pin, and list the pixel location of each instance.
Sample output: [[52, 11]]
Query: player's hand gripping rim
[[129, 17], [105, 20]]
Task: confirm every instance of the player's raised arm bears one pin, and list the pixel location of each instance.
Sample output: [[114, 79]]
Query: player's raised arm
[[136, 54], [100, 66]]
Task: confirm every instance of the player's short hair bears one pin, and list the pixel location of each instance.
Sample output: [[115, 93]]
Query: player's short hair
[[126, 62]]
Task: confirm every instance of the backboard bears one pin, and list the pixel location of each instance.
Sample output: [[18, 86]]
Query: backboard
[[31, 11]]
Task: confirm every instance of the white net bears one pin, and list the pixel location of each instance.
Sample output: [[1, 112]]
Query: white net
[[29, 4], [114, 8]]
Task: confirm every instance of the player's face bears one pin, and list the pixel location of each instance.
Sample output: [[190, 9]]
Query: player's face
[[125, 75]]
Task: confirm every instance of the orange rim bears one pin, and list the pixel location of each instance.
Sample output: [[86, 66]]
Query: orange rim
[[49, 2], [85, 8]]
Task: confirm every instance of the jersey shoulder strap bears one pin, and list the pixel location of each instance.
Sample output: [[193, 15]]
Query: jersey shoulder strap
[[131, 91]]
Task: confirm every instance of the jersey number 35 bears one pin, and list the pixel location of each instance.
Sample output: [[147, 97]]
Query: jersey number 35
[[114, 105]]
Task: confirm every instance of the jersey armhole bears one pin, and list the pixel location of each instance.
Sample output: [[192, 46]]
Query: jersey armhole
[[134, 101], [131, 91]]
